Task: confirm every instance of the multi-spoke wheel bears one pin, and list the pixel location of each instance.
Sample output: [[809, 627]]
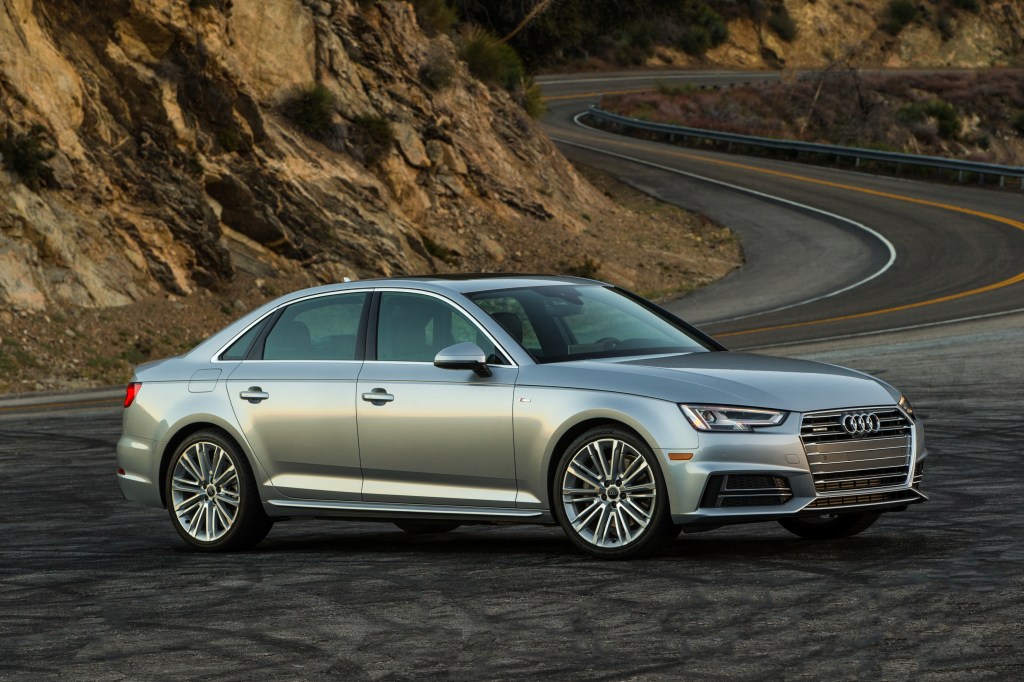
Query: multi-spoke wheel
[[830, 527], [212, 497], [609, 495]]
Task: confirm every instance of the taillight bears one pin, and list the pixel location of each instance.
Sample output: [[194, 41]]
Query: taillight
[[132, 391]]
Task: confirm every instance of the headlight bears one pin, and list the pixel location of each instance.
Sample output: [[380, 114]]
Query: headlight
[[907, 407], [721, 418]]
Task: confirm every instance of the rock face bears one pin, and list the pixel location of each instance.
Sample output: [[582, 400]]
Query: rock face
[[843, 30], [174, 168]]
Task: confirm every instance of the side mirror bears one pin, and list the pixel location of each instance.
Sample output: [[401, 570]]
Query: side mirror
[[463, 356]]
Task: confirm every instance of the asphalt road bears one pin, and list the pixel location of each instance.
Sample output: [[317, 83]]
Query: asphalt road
[[959, 250], [92, 587]]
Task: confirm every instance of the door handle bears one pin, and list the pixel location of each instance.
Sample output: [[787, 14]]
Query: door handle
[[378, 396], [254, 395]]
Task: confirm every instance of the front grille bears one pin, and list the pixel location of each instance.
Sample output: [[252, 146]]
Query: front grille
[[841, 462], [746, 490]]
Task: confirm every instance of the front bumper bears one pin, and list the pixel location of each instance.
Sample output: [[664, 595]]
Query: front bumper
[[746, 477]]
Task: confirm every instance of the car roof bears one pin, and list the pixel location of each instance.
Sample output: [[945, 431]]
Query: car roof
[[470, 282], [460, 283]]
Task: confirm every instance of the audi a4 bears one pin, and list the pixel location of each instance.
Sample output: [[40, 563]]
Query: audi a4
[[433, 402]]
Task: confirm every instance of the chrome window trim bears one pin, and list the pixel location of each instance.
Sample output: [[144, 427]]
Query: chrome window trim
[[472, 318], [216, 356]]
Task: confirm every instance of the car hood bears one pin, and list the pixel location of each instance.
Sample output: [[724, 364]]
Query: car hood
[[723, 378]]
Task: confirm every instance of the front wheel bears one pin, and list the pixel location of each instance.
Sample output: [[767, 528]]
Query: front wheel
[[609, 495], [830, 527], [212, 497]]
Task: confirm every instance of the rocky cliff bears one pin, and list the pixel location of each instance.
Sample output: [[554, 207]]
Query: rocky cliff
[[942, 33], [156, 157]]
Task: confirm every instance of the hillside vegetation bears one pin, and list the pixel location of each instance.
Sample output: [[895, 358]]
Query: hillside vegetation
[[976, 115], [758, 33]]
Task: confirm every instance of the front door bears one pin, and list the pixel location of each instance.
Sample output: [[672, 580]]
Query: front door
[[429, 435]]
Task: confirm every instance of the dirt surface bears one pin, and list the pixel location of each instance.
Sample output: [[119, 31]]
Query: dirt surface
[[93, 587], [660, 252]]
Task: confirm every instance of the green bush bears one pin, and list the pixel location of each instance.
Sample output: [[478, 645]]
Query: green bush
[[434, 16], [529, 95], [943, 112], [1018, 122], [586, 267], [26, 154], [637, 44], [489, 59], [311, 109], [969, 5], [782, 23], [372, 137], [437, 72], [704, 28], [900, 13]]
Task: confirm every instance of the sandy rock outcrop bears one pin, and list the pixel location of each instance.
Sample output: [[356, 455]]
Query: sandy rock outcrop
[[839, 30], [173, 167]]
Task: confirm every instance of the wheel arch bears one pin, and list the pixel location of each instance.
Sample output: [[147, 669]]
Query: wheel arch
[[576, 430]]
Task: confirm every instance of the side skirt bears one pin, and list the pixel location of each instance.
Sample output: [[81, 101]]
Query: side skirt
[[376, 510]]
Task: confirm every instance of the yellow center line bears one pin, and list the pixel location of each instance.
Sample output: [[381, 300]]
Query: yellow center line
[[873, 192], [963, 294], [592, 95]]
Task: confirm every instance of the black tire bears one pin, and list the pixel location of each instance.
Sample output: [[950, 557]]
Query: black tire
[[250, 523], [830, 527], [425, 527], [622, 545]]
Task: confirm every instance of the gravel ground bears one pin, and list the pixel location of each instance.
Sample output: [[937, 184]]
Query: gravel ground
[[94, 587]]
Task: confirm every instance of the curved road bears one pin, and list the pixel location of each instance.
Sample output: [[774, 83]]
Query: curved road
[[810, 231]]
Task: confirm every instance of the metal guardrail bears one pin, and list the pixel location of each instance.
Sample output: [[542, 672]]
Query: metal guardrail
[[856, 153]]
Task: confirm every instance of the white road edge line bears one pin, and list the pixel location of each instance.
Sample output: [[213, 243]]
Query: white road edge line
[[770, 197], [891, 330], [665, 76]]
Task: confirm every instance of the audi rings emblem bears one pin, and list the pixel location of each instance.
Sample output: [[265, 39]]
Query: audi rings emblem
[[861, 424]]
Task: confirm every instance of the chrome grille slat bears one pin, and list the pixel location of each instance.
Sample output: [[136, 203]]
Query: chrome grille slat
[[850, 470]]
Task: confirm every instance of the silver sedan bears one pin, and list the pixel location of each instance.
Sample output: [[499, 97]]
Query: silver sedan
[[433, 402]]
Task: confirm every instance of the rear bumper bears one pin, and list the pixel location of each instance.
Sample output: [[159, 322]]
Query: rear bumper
[[139, 458]]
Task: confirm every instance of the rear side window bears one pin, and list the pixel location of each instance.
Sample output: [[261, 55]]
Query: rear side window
[[240, 348], [324, 328]]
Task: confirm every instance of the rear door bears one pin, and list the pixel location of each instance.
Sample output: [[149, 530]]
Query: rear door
[[294, 397]]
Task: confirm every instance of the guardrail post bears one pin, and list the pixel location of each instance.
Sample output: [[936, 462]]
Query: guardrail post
[[1002, 181], [959, 176]]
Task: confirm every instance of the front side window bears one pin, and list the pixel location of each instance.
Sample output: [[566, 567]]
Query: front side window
[[575, 322], [323, 328], [414, 328]]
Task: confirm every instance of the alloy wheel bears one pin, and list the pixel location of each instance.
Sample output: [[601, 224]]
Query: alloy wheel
[[204, 491], [609, 493]]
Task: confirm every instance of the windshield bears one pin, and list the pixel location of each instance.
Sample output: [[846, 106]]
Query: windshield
[[577, 322]]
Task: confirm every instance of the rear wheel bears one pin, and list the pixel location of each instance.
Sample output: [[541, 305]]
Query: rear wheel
[[212, 497], [830, 527], [609, 495], [426, 527]]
